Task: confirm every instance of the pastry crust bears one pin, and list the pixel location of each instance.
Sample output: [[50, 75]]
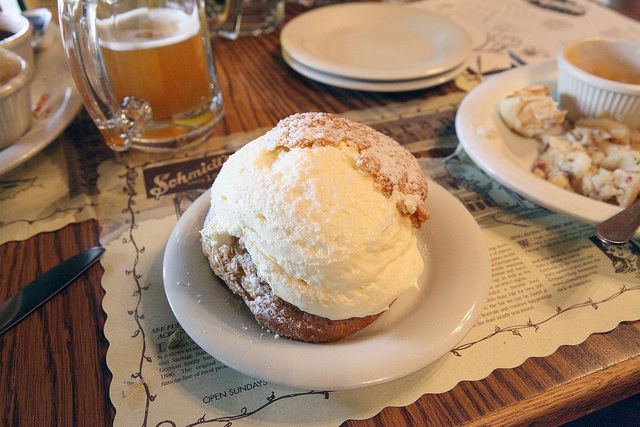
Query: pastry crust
[[393, 168], [233, 264]]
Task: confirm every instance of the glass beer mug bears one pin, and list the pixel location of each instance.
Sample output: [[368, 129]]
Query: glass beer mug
[[236, 18], [144, 69]]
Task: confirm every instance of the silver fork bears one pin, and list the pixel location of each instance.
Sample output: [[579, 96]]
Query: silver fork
[[621, 227]]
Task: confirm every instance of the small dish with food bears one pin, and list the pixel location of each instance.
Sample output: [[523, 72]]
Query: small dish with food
[[598, 74], [15, 97], [16, 36], [597, 157], [510, 157]]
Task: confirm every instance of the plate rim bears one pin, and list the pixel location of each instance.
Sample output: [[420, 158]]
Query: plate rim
[[370, 85], [329, 351], [469, 120], [28, 145], [288, 41]]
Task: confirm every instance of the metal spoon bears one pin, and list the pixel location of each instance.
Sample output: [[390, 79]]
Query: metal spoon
[[620, 228]]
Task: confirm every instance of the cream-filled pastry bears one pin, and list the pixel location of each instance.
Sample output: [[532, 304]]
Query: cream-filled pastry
[[313, 224]]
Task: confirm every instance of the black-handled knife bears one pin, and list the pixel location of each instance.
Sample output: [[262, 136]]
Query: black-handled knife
[[41, 290]]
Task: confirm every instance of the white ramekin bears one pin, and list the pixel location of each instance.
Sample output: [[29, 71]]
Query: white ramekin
[[15, 101], [584, 94], [20, 41]]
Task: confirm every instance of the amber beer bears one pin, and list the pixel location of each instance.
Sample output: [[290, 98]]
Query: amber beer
[[158, 55]]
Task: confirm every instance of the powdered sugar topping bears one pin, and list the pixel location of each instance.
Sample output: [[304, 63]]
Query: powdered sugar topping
[[394, 169]]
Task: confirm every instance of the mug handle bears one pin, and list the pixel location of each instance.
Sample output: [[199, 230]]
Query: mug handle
[[118, 123], [224, 17]]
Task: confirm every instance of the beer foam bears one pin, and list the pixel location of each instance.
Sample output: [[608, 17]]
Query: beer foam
[[145, 28]]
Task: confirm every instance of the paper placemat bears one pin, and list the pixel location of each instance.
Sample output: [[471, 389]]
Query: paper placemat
[[37, 197], [553, 284], [56, 187], [510, 33]]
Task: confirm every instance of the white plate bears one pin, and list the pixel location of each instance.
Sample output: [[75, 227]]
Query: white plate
[[52, 77], [371, 85], [421, 326], [508, 157], [375, 41]]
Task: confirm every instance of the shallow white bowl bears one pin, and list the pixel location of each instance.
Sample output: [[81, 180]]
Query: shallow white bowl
[[591, 74], [15, 100]]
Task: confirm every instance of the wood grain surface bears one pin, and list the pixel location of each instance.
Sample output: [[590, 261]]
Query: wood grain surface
[[52, 365]]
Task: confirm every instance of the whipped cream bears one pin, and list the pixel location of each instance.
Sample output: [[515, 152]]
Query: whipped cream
[[320, 231]]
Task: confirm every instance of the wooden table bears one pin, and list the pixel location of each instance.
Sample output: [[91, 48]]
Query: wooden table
[[52, 365]]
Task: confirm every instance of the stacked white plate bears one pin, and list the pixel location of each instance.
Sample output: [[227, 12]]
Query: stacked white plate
[[375, 47]]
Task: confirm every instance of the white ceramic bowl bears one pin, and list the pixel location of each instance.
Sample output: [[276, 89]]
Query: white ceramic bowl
[[20, 41], [598, 75], [15, 99]]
